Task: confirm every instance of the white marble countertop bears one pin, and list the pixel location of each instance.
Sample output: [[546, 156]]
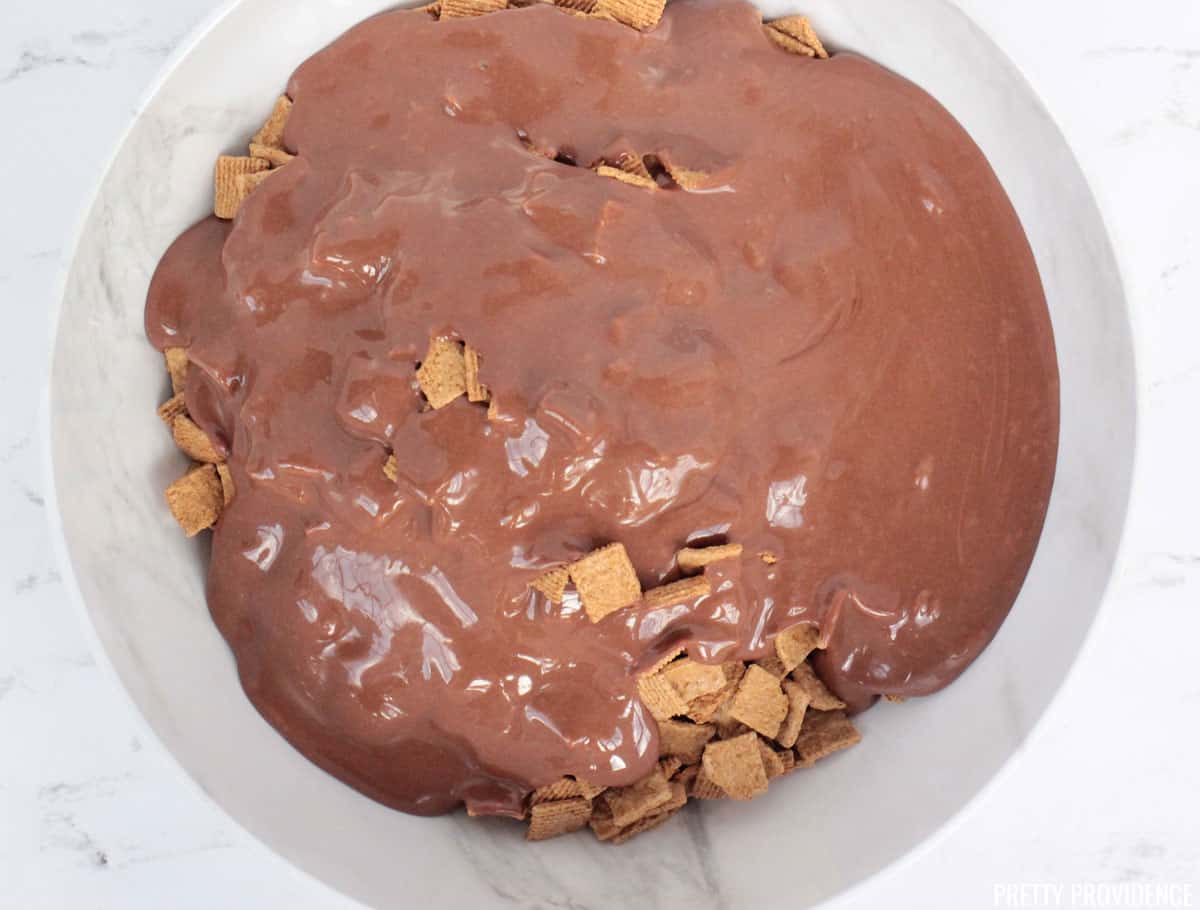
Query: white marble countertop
[[94, 815]]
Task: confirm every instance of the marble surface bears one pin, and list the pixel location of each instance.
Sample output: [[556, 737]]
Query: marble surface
[[91, 814]]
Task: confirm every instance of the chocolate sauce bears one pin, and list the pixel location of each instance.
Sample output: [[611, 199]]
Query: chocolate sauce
[[836, 352]]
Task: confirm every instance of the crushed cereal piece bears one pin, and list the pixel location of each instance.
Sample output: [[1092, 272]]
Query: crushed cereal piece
[[759, 702], [798, 701], [173, 407], [226, 478], [550, 819], [628, 804], [551, 584], [820, 697], [796, 34], [639, 14], [195, 499], [660, 697], [177, 366], [193, 441], [606, 581], [462, 9], [271, 134], [442, 375], [768, 557], [682, 739], [895, 699], [793, 645], [565, 788], [606, 170], [677, 592], [476, 390], [229, 191], [736, 766], [692, 558], [824, 733]]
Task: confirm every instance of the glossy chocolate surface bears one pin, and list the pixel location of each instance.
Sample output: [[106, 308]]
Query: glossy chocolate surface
[[835, 350]]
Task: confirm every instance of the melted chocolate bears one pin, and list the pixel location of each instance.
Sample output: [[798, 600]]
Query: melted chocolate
[[837, 352]]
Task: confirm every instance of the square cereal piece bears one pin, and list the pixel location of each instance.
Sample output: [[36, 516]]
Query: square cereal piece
[[649, 823], [692, 558], [707, 708], [276, 157], [792, 646], [759, 702], [694, 680], [677, 592], [660, 697], [227, 488], [227, 194], [667, 657], [196, 499], [564, 788], [798, 701], [796, 35], [726, 724], [463, 9], [702, 787], [639, 14], [550, 819], [669, 765], [606, 581], [628, 804], [177, 367], [788, 758], [173, 407], [683, 739], [772, 762], [391, 468], [476, 390], [736, 766], [823, 733], [772, 665], [442, 375], [601, 821], [677, 801], [645, 183], [193, 441], [271, 134], [551, 584], [248, 183], [819, 696]]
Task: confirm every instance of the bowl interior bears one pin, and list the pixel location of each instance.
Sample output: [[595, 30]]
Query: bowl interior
[[142, 583]]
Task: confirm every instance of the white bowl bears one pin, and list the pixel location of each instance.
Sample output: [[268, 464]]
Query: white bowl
[[142, 583]]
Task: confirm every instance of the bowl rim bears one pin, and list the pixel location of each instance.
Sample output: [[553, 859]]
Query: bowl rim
[[902, 861]]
